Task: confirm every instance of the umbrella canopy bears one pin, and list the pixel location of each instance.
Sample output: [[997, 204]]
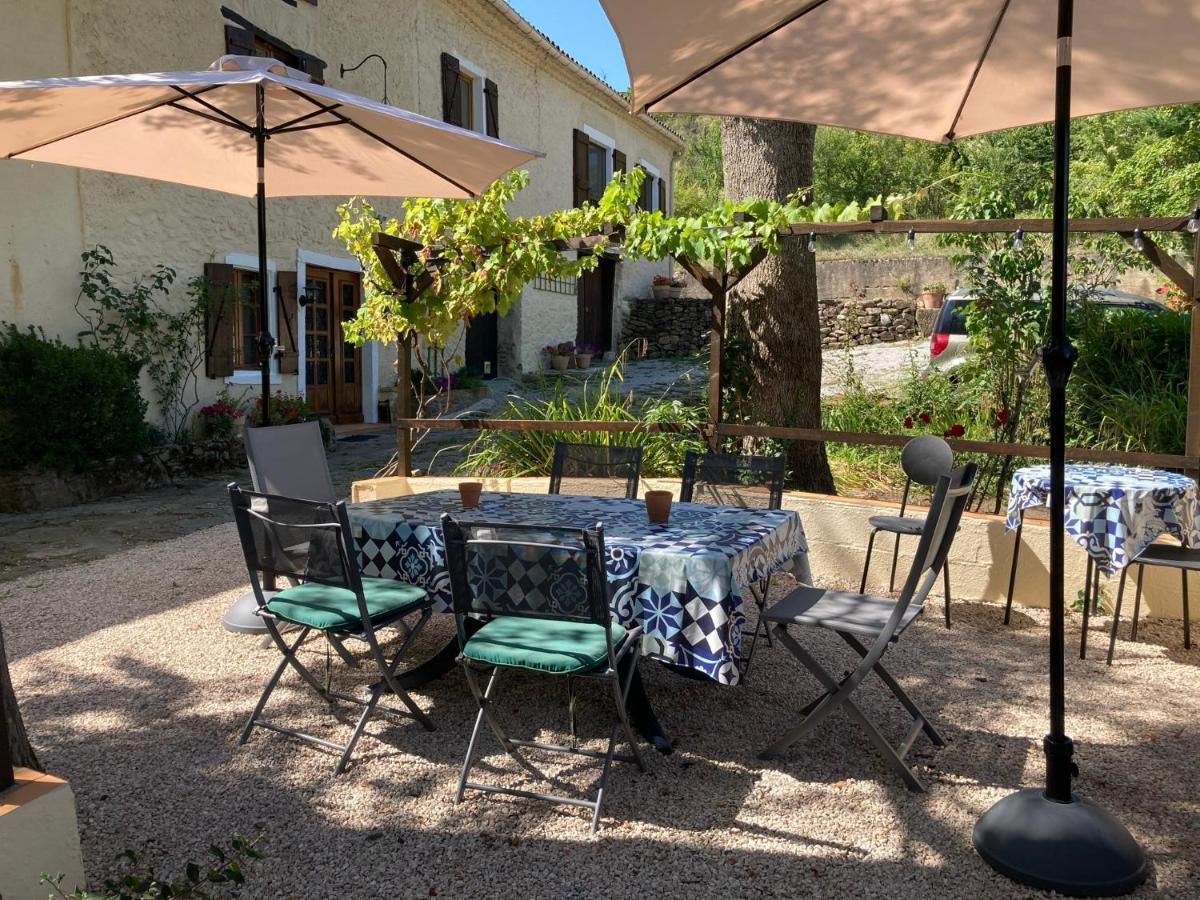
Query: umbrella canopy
[[196, 128], [920, 68]]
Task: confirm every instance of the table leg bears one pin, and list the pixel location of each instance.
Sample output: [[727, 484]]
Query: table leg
[[1087, 606], [1012, 573]]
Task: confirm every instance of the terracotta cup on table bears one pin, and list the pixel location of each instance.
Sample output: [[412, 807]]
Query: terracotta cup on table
[[469, 491], [658, 507]]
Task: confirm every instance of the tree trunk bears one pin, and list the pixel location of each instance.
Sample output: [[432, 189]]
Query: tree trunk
[[14, 744], [775, 307]]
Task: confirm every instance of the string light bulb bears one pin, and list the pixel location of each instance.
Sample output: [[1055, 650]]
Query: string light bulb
[[911, 240], [1019, 239], [1139, 239], [812, 242], [1193, 222]]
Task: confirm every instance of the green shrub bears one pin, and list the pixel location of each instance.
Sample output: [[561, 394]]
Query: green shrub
[[512, 454], [66, 407]]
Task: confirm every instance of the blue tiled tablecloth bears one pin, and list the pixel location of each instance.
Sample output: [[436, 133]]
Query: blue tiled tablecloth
[[683, 581], [1113, 512]]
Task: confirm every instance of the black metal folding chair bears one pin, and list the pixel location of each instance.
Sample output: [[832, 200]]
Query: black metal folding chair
[[1170, 556], [871, 625], [599, 462], [755, 482], [311, 544], [924, 460], [546, 594]]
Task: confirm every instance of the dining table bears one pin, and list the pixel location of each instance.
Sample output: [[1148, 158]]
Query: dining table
[[683, 580]]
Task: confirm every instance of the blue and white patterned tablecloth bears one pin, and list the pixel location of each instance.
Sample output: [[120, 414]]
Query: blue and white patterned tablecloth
[[683, 581], [1113, 512]]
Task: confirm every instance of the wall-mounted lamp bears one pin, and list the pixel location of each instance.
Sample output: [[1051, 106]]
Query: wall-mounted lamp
[[342, 69]]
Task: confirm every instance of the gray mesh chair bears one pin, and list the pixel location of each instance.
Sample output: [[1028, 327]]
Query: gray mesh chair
[[311, 545], [1170, 556], [620, 466], [871, 626], [924, 460], [545, 595], [755, 482]]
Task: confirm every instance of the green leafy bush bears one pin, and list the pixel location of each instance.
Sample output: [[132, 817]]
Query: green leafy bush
[[512, 454], [66, 407]]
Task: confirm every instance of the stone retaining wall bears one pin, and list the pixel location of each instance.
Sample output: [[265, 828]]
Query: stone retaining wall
[[667, 327]]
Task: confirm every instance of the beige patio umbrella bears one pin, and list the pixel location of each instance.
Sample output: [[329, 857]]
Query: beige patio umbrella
[[248, 126], [937, 70]]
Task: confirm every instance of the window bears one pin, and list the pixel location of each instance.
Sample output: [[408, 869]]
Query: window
[[594, 161], [462, 106], [247, 324], [597, 170], [654, 189], [244, 38], [469, 98]]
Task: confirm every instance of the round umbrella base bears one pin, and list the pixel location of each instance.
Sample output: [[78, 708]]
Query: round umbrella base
[[1074, 848], [241, 617]]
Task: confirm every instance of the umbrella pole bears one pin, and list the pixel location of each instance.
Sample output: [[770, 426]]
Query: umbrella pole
[[265, 342], [1049, 838]]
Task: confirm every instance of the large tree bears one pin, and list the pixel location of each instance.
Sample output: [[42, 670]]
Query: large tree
[[774, 310], [12, 731]]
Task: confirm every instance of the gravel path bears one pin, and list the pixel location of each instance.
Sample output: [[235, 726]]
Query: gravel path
[[131, 689]]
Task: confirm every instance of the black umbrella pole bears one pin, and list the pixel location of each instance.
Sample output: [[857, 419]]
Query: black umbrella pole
[[1047, 837], [266, 343]]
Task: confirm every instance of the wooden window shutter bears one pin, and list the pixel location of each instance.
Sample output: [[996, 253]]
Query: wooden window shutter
[[288, 351], [491, 100], [618, 161], [218, 320], [451, 84], [239, 41], [644, 193], [581, 192], [662, 195]]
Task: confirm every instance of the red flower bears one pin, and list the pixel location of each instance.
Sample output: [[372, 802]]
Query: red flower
[[908, 422], [954, 431], [924, 417], [1000, 417]]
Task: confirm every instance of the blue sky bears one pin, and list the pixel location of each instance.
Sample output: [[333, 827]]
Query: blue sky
[[581, 28]]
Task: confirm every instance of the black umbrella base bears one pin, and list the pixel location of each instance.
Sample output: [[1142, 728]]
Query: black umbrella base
[[1074, 848]]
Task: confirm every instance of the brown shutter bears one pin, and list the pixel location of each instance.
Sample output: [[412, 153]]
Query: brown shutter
[[580, 168], [450, 88], [491, 100], [239, 41], [218, 320], [288, 350], [662, 195], [644, 192], [618, 161]]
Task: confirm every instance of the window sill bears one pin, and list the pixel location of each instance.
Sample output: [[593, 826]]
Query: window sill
[[251, 376]]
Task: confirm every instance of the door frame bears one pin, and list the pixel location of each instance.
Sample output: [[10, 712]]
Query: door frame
[[370, 350]]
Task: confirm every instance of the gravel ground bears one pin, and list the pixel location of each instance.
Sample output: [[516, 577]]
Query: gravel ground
[[133, 691]]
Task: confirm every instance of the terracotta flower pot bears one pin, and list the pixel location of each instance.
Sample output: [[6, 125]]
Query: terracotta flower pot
[[658, 507], [933, 299], [469, 492], [665, 292], [583, 360], [559, 363]]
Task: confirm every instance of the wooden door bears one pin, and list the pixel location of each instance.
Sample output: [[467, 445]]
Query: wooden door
[[482, 352], [332, 367], [595, 305]]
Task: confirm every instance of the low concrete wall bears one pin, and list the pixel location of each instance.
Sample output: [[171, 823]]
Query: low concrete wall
[[837, 531], [38, 835]]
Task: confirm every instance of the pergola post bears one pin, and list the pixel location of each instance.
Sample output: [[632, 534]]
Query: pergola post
[[1192, 428], [716, 345]]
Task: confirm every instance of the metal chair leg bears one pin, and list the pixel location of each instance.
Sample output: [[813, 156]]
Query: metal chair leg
[[274, 680], [895, 559], [1137, 603], [1112, 638], [862, 588], [946, 582], [1012, 572]]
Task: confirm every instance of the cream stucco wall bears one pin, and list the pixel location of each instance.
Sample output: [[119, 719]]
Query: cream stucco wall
[[50, 214]]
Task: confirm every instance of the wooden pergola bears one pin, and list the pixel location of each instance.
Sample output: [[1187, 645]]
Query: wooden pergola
[[398, 255]]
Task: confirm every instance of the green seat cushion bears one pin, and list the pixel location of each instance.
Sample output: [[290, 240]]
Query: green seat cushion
[[544, 645], [325, 607]]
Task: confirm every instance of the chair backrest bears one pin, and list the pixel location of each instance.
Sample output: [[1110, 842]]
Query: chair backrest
[[289, 461], [304, 540], [620, 465], [925, 459], [941, 524], [534, 571], [733, 480]]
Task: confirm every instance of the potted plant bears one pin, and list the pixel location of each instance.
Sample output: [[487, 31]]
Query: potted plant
[[584, 353], [933, 295], [221, 420], [666, 287], [560, 355]]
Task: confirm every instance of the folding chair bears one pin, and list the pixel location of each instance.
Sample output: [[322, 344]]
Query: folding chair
[[871, 625], [545, 591], [924, 460], [1171, 556], [755, 482], [311, 544], [621, 465]]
